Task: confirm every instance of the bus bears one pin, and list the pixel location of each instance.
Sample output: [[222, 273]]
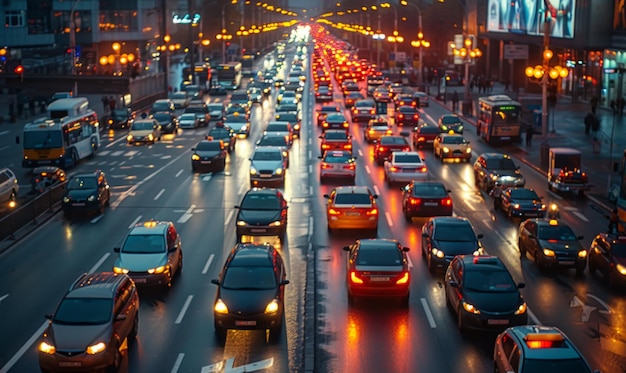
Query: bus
[[201, 73], [69, 133], [247, 64], [229, 75], [499, 119]]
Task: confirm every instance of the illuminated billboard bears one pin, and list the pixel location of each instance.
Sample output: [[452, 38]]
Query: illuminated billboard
[[527, 17]]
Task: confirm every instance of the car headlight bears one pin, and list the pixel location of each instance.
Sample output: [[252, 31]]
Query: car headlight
[[548, 252], [150, 137], [157, 270], [470, 308], [279, 171], [516, 206], [120, 270], [220, 307], [241, 223], [244, 127], [438, 253], [91, 198], [195, 157], [285, 153], [621, 269], [253, 171], [493, 177], [272, 307], [130, 138], [521, 309], [276, 223], [460, 128], [445, 149], [444, 128], [582, 254], [543, 206], [96, 348], [468, 150], [66, 199], [47, 348]]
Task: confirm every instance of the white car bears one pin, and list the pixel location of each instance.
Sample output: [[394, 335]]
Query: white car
[[405, 167], [8, 187], [423, 97], [452, 146]]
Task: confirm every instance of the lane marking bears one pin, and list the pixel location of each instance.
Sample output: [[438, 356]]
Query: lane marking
[[376, 190], [360, 153], [389, 220], [135, 221], [178, 362], [310, 168], [178, 173], [532, 317], [159, 194], [95, 220], [367, 169], [18, 355], [429, 315], [229, 217], [99, 263], [208, 264], [183, 310], [408, 258], [580, 216], [187, 215], [3, 297]]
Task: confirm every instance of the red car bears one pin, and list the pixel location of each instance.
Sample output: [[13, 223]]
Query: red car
[[424, 136], [335, 140], [389, 144]]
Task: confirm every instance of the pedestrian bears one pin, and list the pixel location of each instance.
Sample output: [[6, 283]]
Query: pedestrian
[[529, 134], [455, 101], [588, 122], [105, 104], [594, 104], [496, 193], [112, 103], [595, 127]]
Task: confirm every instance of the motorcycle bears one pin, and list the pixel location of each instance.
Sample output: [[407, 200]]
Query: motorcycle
[[553, 212]]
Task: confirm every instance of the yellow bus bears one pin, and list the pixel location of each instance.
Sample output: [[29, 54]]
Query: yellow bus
[[499, 119], [70, 133]]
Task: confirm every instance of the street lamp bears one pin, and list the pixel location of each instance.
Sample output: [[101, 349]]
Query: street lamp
[[223, 36], [117, 47], [378, 36], [395, 27], [419, 43]]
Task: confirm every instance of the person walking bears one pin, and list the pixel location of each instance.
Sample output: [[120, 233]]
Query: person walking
[[594, 104], [529, 134], [455, 101], [595, 127], [588, 122]]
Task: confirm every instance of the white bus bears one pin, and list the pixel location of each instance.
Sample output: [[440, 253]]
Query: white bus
[[229, 75]]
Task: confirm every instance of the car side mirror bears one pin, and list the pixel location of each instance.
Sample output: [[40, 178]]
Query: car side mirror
[[172, 249], [480, 236], [406, 249], [120, 317], [215, 281], [375, 196], [193, 149], [521, 285], [326, 196], [284, 282], [48, 316], [117, 249], [346, 248], [453, 284], [237, 206]]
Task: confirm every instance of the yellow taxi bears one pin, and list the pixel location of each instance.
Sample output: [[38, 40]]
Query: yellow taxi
[[377, 128], [352, 207]]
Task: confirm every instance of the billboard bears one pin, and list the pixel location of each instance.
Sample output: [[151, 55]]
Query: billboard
[[527, 17]]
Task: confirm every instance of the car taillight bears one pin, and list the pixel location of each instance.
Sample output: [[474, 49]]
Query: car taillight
[[416, 116], [446, 201], [372, 111], [381, 149], [393, 169], [325, 124], [373, 211], [333, 212], [406, 149], [421, 138], [424, 169], [350, 166], [326, 166], [415, 201], [404, 279], [325, 146], [346, 124], [400, 115], [354, 278], [347, 146]]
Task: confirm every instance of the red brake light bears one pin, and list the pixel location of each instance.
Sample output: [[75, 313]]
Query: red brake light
[[416, 116], [400, 115], [325, 124], [347, 146], [415, 201], [539, 344], [404, 279], [354, 278], [424, 169], [333, 212], [325, 146], [372, 111], [345, 124], [446, 201], [373, 211], [381, 149], [393, 169], [326, 166], [406, 149]]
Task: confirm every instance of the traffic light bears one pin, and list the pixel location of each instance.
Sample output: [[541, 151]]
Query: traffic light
[[19, 70]]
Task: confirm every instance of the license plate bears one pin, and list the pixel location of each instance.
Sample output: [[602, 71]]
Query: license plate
[[78, 204], [430, 141], [140, 280], [497, 322], [567, 262], [264, 175], [245, 322], [408, 170], [258, 230], [430, 203], [206, 162], [353, 213], [70, 364], [379, 278], [505, 138]]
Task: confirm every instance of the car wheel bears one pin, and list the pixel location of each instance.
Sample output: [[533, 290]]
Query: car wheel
[[117, 361], [405, 300], [407, 216], [135, 329], [180, 264], [538, 261], [238, 238], [522, 249]]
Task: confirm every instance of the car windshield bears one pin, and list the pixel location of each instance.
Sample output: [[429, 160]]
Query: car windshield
[[179, 96], [407, 110], [119, 113], [214, 107], [501, 164], [337, 158], [429, 190], [260, 202], [393, 140], [450, 120], [273, 141], [82, 183], [188, 117], [287, 117], [83, 311], [267, 156], [379, 256], [454, 140], [144, 244], [364, 104], [249, 278], [336, 135], [524, 194], [236, 119], [287, 107], [43, 139], [352, 199], [161, 106], [275, 127], [209, 145], [557, 365], [162, 117], [197, 109], [556, 233], [142, 126], [219, 133], [454, 233], [407, 158], [428, 129], [489, 281], [329, 109]]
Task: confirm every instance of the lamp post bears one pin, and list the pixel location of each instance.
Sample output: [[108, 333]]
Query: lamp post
[[394, 38]]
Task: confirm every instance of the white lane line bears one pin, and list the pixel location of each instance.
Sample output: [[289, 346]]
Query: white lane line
[[580, 216], [376, 190], [310, 190], [389, 220], [187, 215], [135, 221], [429, 315], [183, 310], [95, 220], [208, 264], [4, 147], [178, 362], [360, 153], [408, 258], [532, 317], [229, 217], [367, 169], [159, 194], [18, 355], [99, 263], [310, 169], [178, 173], [310, 154]]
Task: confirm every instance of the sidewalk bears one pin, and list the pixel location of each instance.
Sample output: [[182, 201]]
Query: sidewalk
[[569, 131]]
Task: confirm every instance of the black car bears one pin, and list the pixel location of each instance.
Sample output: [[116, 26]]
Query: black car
[[407, 115], [225, 134], [482, 293], [443, 238], [251, 291], [262, 212], [167, 120], [450, 123], [520, 202], [335, 121], [607, 255], [120, 118], [426, 198], [88, 192], [552, 244], [209, 154], [293, 118], [490, 168]]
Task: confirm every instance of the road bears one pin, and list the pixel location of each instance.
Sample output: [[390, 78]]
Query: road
[[176, 328]]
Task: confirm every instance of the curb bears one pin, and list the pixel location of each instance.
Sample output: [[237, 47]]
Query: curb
[[27, 229]]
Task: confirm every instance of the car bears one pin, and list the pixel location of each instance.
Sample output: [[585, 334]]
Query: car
[[537, 348], [238, 123], [188, 120], [444, 237], [363, 110], [151, 254], [180, 99], [607, 255], [337, 164], [490, 168], [288, 101], [239, 98], [352, 207], [404, 167], [450, 123], [424, 135], [377, 128], [294, 119], [378, 268], [323, 112], [452, 146], [209, 154], [255, 95], [406, 115], [323, 93], [144, 131], [44, 177], [239, 109], [290, 95], [97, 315], [335, 140], [286, 107], [262, 212], [280, 126], [8, 187], [387, 145], [193, 91], [481, 292], [202, 113], [382, 94], [421, 98], [164, 104], [352, 97], [552, 243], [396, 89], [404, 99], [225, 134], [216, 110], [121, 118], [86, 192], [277, 139], [425, 198], [267, 167], [167, 121], [520, 202], [251, 291], [335, 121]]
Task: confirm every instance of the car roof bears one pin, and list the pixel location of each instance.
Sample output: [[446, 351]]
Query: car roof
[[566, 349], [268, 149], [329, 108], [252, 255], [494, 155], [476, 263], [95, 285], [378, 242], [451, 135], [449, 220], [352, 189], [149, 227]]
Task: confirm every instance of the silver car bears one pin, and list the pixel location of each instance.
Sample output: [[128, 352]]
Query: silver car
[[188, 120], [267, 167]]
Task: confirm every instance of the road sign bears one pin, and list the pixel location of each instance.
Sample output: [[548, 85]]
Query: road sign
[[515, 52]]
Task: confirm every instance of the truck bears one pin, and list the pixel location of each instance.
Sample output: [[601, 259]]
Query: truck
[[565, 174]]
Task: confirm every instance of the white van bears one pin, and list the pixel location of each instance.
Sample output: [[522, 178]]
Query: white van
[[8, 186]]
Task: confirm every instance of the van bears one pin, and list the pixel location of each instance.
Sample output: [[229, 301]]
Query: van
[[8, 186]]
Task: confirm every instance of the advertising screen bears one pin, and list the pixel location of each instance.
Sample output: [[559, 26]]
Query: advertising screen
[[527, 17]]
